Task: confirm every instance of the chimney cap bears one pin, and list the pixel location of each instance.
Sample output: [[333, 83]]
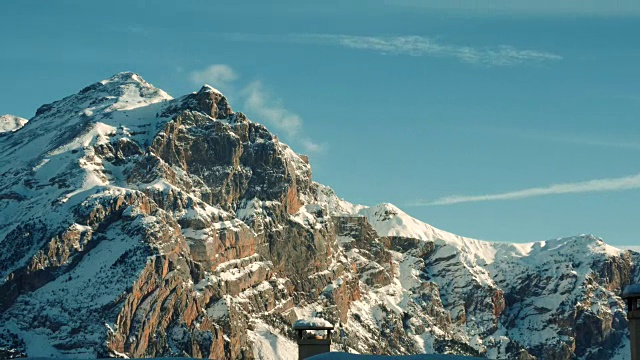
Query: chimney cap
[[312, 324], [631, 291]]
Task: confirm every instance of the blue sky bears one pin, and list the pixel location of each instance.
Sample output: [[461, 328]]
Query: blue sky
[[500, 120]]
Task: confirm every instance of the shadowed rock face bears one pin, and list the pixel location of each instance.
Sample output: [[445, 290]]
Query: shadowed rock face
[[229, 163], [154, 226]]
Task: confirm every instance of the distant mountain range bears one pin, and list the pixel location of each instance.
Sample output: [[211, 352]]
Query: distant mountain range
[[135, 224]]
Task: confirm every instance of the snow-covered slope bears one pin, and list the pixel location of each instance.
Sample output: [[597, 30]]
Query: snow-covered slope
[[10, 123], [505, 293], [632, 248], [346, 356], [135, 224]]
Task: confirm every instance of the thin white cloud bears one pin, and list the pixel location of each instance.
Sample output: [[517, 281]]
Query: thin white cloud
[[218, 75], [313, 147], [601, 140], [502, 55], [601, 8], [259, 103], [270, 110], [598, 185], [137, 29], [424, 46], [585, 139], [596, 142]]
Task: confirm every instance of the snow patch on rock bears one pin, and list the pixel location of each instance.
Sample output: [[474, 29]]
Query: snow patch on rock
[[11, 123]]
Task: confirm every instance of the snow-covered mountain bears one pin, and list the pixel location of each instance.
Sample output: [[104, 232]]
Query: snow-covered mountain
[[10, 122], [135, 224]]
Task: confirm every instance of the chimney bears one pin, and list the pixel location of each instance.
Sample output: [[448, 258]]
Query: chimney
[[631, 295], [313, 336]]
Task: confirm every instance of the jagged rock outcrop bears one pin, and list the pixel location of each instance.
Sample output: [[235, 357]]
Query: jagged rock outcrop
[[135, 224], [10, 123]]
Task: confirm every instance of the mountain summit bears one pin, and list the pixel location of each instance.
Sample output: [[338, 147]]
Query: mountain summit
[[10, 123], [133, 224]]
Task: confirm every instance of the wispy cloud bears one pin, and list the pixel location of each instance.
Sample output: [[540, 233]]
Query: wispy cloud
[[424, 46], [219, 75], [271, 111], [313, 147], [261, 103], [258, 101], [502, 55], [601, 8], [597, 140], [598, 185]]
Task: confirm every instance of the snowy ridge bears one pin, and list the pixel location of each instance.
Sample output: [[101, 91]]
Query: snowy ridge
[[389, 220], [86, 118], [346, 356], [57, 151], [462, 263], [10, 123]]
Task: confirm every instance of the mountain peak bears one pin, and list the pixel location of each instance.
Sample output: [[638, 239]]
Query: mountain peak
[[124, 77], [122, 91], [10, 123], [126, 84], [210, 101], [206, 88]]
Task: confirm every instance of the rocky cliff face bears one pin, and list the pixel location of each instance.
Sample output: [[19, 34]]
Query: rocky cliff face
[[135, 224]]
